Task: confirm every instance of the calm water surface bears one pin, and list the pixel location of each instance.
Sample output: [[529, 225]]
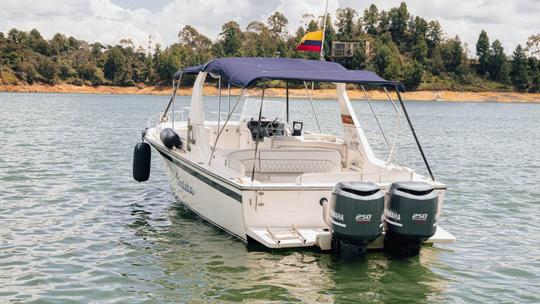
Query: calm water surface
[[75, 227]]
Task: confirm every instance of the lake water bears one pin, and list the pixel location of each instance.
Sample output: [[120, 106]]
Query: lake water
[[75, 227]]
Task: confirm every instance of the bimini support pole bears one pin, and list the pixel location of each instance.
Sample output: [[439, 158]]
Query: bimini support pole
[[375, 116], [224, 125], [414, 133], [312, 106], [321, 55], [219, 102], [287, 99], [258, 134], [173, 97]]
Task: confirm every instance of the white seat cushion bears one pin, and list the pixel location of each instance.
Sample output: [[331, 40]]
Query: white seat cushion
[[282, 161]]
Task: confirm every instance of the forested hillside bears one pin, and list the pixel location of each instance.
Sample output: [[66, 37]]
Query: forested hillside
[[401, 47]]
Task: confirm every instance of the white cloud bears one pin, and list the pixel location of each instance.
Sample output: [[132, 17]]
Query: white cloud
[[102, 20]]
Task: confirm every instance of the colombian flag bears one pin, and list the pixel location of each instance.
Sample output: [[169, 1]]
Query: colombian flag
[[311, 42]]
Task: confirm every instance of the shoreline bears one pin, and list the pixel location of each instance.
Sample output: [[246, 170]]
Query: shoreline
[[506, 97]]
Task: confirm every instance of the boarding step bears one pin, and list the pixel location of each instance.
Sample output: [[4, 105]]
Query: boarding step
[[287, 237]]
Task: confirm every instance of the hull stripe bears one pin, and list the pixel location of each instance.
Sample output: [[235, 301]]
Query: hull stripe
[[206, 180]]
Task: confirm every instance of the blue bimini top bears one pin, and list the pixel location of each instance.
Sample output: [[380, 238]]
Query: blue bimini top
[[243, 71]]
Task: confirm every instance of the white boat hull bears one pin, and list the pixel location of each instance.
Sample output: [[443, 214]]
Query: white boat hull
[[244, 213], [216, 203]]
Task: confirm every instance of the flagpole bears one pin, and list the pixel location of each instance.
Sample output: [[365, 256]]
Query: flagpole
[[324, 31]]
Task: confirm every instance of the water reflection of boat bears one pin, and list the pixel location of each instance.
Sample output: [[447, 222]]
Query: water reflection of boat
[[206, 266], [263, 178]]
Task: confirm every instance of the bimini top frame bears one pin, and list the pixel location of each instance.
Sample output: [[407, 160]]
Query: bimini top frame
[[244, 71]]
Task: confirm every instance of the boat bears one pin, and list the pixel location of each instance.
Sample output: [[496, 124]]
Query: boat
[[266, 180]]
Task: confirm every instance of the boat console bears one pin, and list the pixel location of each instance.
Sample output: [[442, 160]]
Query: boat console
[[265, 128]]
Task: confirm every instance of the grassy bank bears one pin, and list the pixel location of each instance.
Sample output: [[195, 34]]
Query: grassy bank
[[273, 92]]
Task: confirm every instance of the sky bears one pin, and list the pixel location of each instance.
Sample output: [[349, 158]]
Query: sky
[[108, 21]]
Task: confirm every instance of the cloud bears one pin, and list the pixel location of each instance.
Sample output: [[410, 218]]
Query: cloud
[[104, 21]]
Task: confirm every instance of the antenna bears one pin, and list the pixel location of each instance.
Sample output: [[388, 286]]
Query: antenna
[[324, 30], [149, 45]]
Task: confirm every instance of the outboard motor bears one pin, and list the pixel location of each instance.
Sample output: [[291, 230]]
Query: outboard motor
[[411, 217], [355, 218], [170, 138]]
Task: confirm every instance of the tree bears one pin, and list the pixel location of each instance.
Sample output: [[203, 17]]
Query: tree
[[418, 29], [452, 54], [370, 19], [191, 38], [399, 18], [533, 45], [312, 26], [437, 63], [345, 23], [413, 75], [59, 44], [386, 60], [231, 39], [420, 50], [498, 64], [277, 23], [115, 66], [167, 62], [259, 41], [48, 70], [520, 72], [418, 39], [433, 35], [483, 52], [534, 71], [359, 58], [329, 35]]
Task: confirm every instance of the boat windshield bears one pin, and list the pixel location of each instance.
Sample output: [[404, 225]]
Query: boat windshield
[[271, 109]]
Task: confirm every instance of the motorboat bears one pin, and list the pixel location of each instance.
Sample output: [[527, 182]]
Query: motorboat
[[266, 180]]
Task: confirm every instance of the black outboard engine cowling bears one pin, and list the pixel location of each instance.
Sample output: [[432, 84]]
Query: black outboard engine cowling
[[356, 211], [170, 138], [411, 216]]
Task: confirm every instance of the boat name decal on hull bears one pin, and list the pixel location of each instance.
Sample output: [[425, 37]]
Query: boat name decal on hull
[[184, 185]]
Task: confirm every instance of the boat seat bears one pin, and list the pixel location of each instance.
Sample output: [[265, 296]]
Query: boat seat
[[295, 161], [284, 143]]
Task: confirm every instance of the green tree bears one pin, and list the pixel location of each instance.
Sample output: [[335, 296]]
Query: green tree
[[520, 71], [115, 68], [231, 39], [38, 44], [534, 72], [498, 64], [533, 45], [259, 41], [436, 62], [167, 62], [413, 75], [483, 52], [345, 23], [371, 19], [277, 23], [386, 60], [419, 50], [329, 36], [191, 38], [433, 36], [48, 70], [359, 58], [452, 54], [399, 18]]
